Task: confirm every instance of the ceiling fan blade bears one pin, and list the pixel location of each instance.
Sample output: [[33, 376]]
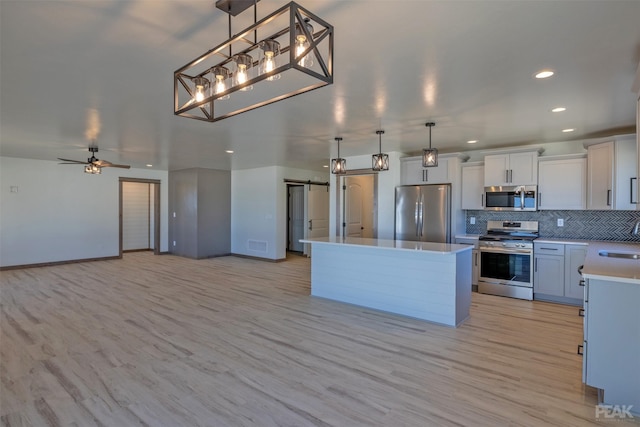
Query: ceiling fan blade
[[75, 162], [112, 165]]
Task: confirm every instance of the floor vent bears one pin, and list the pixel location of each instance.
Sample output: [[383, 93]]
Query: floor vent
[[257, 245]]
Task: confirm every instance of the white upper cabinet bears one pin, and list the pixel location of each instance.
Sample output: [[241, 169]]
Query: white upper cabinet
[[562, 182], [473, 186], [412, 172], [511, 169], [611, 174]]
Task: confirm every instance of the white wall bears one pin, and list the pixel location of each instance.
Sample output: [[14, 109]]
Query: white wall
[[59, 213], [259, 209], [387, 182]]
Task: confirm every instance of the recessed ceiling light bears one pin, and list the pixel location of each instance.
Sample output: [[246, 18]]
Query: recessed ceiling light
[[149, 165], [229, 151], [473, 141], [568, 130], [558, 109], [544, 74]]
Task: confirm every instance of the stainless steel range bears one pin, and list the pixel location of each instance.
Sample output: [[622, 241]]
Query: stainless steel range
[[506, 259]]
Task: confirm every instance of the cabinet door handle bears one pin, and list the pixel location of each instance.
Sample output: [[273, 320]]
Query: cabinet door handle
[[311, 225], [426, 174], [511, 176], [482, 200], [608, 197], [549, 249], [581, 283], [476, 260], [539, 199], [506, 175], [581, 312], [580, 350], [631, 187]]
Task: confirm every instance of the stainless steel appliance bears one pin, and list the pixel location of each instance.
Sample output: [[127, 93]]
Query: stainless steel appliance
[[423, 213], [511, 198], [506, 259]]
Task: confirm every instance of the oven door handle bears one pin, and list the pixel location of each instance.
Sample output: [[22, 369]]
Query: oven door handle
[[507, 251]]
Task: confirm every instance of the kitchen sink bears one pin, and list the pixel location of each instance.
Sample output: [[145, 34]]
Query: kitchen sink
[[627, 255]]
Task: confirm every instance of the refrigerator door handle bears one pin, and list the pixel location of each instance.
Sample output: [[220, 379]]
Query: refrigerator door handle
[[417, 216], [421, 214]]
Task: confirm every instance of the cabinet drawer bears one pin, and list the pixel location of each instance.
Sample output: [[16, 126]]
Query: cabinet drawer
[[548, 248]]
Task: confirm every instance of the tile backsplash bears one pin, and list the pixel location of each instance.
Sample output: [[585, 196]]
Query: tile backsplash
[[588, 225]]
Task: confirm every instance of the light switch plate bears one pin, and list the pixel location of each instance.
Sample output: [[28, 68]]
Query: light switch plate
[[472, 220], [560, 222]]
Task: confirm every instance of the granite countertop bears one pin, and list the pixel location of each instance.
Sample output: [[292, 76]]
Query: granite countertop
[[613, 269], [430, 247]]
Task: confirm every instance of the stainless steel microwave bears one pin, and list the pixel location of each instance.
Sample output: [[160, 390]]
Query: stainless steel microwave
[[511, 198]]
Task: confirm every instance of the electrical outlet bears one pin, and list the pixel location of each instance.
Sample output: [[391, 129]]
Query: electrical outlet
[[472, 220], [174, 214], [174, 243], [560, 222]]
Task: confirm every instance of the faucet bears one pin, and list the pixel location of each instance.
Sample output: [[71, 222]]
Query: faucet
[[636, 229]]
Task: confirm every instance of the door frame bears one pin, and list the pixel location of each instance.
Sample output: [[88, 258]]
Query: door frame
[[156, 211], [341, 196], [304, 209]]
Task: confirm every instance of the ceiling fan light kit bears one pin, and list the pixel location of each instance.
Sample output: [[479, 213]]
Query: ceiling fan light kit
[[286, 53], [93, 165]]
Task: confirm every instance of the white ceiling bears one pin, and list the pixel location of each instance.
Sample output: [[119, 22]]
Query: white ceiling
[[466, 65]]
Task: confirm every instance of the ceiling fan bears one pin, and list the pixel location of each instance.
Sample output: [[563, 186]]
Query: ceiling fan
[[93, 165]]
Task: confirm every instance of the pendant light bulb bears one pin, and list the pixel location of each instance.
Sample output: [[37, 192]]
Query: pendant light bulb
[[271, 50], [302, 44], [220, 74], [202, 85], [243, 67]]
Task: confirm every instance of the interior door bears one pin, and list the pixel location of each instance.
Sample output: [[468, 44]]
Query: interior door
[[354, 209], [318, 212], [296, 218]]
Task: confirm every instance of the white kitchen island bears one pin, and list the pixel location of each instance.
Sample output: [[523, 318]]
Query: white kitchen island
[[428, 281]]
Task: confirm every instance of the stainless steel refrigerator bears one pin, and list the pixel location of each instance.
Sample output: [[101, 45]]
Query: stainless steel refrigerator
[[423, 213]]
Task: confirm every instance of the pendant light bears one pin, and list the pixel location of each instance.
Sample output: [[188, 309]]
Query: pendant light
[[430, 155], [380, 161], [338, 165]]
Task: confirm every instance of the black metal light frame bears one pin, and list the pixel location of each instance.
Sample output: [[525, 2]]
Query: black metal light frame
[[320, 45], [380, 161], [429, 155], [338, 165]]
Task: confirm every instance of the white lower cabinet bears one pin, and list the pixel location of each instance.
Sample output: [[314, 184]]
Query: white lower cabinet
[[612, 341], [555, 272]]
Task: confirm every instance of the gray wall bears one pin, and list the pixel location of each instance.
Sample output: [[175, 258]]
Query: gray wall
[[201, 201], [588, 225]]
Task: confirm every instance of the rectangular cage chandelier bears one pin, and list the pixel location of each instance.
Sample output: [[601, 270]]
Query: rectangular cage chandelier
[[287, 53]]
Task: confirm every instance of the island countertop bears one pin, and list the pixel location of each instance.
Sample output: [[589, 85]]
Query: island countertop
[[608, 268], [406, 245]]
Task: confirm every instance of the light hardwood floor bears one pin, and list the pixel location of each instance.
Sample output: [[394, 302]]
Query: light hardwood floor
[[167, 341]]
